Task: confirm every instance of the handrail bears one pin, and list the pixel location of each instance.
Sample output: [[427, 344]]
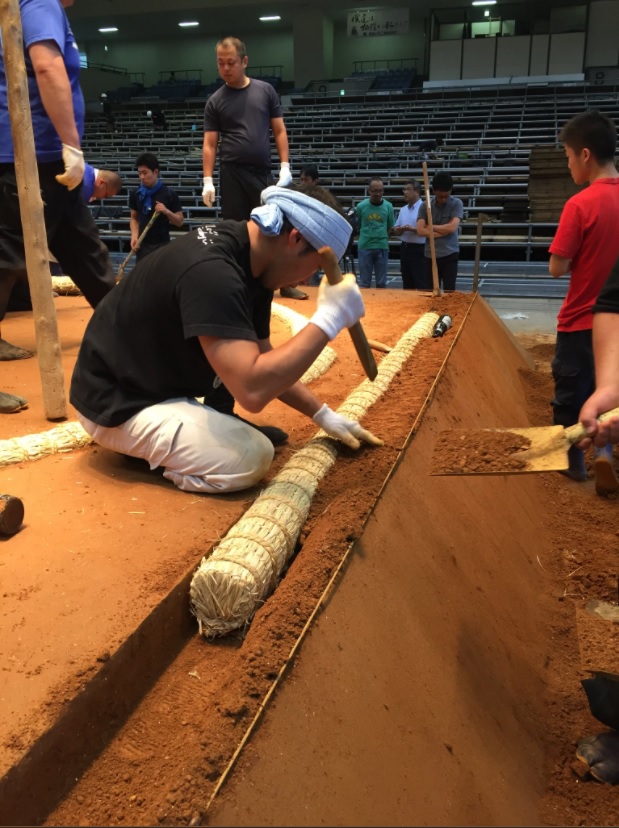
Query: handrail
[[187, 74], [399, 62], [105, 67]]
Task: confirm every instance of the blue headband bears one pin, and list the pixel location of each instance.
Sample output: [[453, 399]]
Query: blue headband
[[318, 223]]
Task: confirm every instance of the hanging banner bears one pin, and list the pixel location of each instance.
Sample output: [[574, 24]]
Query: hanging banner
[[373, 22]]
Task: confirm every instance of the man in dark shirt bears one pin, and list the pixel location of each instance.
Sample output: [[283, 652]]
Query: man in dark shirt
[[242, 112], [152, 196], [196, 314]]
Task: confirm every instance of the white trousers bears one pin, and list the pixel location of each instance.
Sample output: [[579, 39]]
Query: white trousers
[[201, 449]]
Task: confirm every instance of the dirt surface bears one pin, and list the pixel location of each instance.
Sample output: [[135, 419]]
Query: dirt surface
[[479, 452], [94, 608]]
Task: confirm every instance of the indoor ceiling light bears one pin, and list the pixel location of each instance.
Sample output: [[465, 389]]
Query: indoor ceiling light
[[185, 24], [270, 17], [109, 29], [484, 2]]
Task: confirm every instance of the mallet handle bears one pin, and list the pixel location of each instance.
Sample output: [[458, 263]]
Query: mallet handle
[[333, 273]]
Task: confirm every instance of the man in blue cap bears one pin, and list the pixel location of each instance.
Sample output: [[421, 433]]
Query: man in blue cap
[[195, 315]]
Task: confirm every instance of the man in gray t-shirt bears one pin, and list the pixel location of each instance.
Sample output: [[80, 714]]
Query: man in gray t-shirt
[[447, 213]]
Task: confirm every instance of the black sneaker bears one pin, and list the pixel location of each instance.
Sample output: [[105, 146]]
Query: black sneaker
[[601, 754], [276, 435], [577, 467]]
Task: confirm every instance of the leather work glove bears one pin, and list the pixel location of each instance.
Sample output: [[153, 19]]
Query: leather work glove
[[338, 306], [285, 176], [208, 191], [348, 431], [73, 160]]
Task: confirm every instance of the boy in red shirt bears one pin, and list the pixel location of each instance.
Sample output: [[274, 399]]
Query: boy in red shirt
[[586, 245]]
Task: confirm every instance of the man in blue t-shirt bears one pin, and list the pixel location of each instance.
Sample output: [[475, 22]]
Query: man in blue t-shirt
[[57, 105]]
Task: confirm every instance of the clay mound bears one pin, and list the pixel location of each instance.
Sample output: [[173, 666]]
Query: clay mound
[[400, 668], [431, 650]]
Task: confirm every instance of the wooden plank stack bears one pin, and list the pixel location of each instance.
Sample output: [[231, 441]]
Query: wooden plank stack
[[550, 183]]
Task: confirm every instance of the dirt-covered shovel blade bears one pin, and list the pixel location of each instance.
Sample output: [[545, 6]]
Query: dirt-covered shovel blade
[[506, 450]]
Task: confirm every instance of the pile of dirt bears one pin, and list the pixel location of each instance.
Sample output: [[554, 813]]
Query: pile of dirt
[[105, 541]]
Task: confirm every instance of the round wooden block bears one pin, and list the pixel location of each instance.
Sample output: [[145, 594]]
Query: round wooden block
[[11, 514]]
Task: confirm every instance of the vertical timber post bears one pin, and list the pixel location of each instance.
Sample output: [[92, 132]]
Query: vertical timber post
[[31, 208]]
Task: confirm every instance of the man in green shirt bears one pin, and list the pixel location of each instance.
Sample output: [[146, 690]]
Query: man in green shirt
[[376, 218]]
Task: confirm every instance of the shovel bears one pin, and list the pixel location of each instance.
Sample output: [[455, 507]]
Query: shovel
[[507, 450]]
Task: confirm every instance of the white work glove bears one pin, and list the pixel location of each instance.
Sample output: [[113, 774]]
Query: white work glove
[[338, 306], [348, 431], [208, 191], [285, 176], [73, 160]]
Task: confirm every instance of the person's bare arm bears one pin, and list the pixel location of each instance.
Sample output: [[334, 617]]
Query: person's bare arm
[[256, 377], [423, 229], [558, 266], [55, 89], [447, 229], [280, 136], [606, 394], [176, 219], [209, 152]]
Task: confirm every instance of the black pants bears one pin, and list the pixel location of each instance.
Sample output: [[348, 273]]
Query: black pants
[[574, 374], [240, 187], [240, 192], [72, 236], [413, 267], [447, 267]]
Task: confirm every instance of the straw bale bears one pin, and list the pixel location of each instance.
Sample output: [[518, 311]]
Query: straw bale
[[229, 586], [62, 438], [65, 286], [297, 322]]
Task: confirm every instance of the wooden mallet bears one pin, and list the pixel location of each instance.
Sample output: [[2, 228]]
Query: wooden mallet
[[331, 267], [11, 514]]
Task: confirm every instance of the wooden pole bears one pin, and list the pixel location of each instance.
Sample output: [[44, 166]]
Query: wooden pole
[[481, 218], [436, 289], [31, 208], [136, 246], [477, 253]]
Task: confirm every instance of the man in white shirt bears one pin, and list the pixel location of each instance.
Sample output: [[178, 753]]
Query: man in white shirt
[[412, 263]]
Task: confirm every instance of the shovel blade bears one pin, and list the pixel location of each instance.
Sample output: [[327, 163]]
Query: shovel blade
[[500, 451]]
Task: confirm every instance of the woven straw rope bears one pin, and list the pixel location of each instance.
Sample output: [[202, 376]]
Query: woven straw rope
[[65, 286], [230, 585], [68, 436], [63, 438]]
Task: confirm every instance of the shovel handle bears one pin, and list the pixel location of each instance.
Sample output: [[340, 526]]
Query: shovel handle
[[577, 432], [331, 267]]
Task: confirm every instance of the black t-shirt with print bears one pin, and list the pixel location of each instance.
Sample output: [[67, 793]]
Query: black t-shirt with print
[[140, 346]]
